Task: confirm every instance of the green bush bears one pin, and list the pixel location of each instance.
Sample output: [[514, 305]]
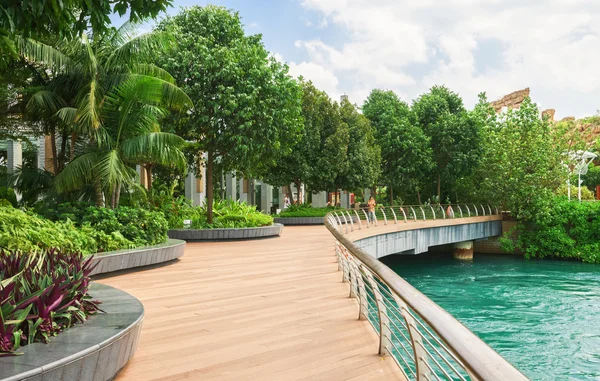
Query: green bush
[[570, 230], [305, 210], [9, 195], [139, 226], [586, 194], [226, 214]]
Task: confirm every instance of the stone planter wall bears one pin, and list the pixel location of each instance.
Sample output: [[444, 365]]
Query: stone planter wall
[[291, 221], [143, 256], [226, 234], [94, 351]]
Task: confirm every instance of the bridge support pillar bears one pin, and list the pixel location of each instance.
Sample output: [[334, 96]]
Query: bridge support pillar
[[463, 250]]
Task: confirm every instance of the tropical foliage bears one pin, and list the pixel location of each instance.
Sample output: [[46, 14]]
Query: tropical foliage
[[304, 210], [570, 230], [90, 230], [42, 295], [227, 213]]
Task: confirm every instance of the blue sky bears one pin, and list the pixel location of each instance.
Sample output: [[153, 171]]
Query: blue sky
[[496, 46]]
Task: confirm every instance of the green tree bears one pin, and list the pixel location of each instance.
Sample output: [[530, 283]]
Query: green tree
[[455, 136], [522, 165], [406, 155], [107, 93], [320, 154], [363, 156], [247, 108]]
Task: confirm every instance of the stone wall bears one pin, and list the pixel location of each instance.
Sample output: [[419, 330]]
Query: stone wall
[[510, 101]]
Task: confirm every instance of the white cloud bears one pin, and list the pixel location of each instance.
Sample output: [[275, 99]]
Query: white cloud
[[407, 46]]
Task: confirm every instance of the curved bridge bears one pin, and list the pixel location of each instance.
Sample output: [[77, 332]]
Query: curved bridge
[[424, 340]]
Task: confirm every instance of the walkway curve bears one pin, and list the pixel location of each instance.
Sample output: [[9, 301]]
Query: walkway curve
[[272, 309]]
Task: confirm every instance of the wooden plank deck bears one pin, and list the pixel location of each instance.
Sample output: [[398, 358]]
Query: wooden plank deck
[[272, 309]]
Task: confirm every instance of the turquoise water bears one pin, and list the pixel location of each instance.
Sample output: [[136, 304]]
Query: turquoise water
[[541, 315]]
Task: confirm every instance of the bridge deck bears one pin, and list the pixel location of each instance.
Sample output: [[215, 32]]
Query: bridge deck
[[391, 227], [270, 309]]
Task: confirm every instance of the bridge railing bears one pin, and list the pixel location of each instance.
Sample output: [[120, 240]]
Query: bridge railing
[[352, 219], [424, 340]]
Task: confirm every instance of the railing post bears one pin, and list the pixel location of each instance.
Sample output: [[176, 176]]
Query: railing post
[[468, 210], [490, 209], [476, 211], [366, 217], [423, 369], [443, 211], [432, 211], [394, 213], [460, 209], [423, 211], [351, 222], [385, 336], [358, 220], [384, 216], [482, 210], [496, 209], [345, 221], [404, 214], [414, 213], [363, 303], [339, 222], [375, 218]]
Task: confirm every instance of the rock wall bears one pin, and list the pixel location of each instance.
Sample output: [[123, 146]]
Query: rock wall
[[510, 101]]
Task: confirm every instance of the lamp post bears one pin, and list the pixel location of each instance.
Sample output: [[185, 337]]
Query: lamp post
[[583, 160]]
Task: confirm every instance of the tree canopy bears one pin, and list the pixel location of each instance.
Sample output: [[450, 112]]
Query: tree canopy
[[247, 109], [455, 136], [406, 155]]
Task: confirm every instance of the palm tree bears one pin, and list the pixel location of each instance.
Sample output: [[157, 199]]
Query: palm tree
[[106, 92]]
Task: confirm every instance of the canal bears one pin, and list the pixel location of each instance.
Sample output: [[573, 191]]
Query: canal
[[541, 315]]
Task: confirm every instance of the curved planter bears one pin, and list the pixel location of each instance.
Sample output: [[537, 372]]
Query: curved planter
[[226, 234], [143, 256], [291, 221], [93, 351]]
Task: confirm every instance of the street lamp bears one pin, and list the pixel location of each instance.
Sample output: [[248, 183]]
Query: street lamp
[[582, 161]]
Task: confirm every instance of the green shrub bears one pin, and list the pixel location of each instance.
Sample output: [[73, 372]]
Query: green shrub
[[305, 210], [137, 225], [226, 214], [9, 195], [586, 194], [570, 230]]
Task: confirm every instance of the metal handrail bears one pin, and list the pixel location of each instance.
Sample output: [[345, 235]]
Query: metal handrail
[[403, 317]]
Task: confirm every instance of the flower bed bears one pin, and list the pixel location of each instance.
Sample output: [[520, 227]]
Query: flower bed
[[41, 295]]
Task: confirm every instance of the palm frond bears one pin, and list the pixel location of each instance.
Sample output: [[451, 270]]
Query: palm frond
[[139, 49], [45, 101], [78, 173], [67, 115], [156, 147], [88, 114], [112, 170], [161, 92], [152, 71], [91, 60], [41, 53]]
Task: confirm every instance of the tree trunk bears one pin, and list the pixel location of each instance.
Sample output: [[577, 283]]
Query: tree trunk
[[419, 197], [72, 147], [374, 192], [53, 145], [209, 187], [336, 197], [298, 185], [99, 194], [148, 168], [391, 195], [63, 150], [113, 198], [439, 186], [290, 193], [118, 196]]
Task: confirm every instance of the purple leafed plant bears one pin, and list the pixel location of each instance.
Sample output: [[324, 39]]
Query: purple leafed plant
[[41, 295]]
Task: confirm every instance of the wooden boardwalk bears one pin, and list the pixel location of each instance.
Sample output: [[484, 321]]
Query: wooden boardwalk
[[272, 309]]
